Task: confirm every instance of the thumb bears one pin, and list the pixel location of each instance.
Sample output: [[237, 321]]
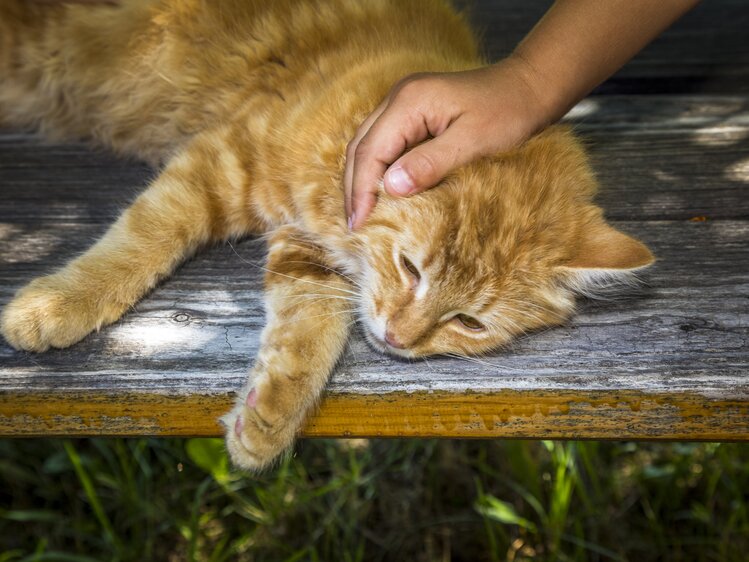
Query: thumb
[[427, 164]]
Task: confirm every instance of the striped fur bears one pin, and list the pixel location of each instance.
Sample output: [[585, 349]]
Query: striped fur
[[247, 107]]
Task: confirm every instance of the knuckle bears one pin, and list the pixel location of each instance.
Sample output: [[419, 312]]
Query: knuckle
[[424, 166], [410, 87], [361, 150]]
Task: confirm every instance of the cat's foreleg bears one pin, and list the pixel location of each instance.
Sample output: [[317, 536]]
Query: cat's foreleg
[[309, 313], [180, 211]]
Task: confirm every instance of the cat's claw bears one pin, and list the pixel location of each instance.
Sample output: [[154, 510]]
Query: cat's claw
[[255, 437], [43, 315]]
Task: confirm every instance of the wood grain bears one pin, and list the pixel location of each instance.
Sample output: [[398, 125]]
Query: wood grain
[[505, 414]]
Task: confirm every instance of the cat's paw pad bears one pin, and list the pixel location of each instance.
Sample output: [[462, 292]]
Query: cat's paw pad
[[46, 314], [256, 434]]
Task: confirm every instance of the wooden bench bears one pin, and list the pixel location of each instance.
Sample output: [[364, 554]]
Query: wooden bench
[[669, 137]]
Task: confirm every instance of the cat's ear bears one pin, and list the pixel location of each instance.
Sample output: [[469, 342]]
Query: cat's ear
[[604, 259]]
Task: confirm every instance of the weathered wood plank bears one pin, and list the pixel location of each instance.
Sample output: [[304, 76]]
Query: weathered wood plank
[[664, 157], [670, 363], [506, 414], [192, 340]]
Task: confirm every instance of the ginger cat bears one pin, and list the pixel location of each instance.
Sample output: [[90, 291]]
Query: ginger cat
[[248, 106]]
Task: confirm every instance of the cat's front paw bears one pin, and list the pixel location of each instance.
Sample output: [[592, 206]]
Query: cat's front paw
[[257, 432], [48, 313]]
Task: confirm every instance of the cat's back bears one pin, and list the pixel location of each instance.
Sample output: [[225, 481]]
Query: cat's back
[[145, 75]]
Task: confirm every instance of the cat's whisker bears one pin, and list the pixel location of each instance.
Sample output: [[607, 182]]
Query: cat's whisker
[[534, 333], [165, 78], [289, 306], [330, 287], [528, 314], [310, 300], [302, 295], [337, 271], [349, 347], [479, 361], [463, 358], [501, 326], [427, 362], [324, 315], [308, 244], [330, 269], [312, 296], [317, 324]]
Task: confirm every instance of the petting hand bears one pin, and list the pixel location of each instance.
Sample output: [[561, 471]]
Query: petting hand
[[465, 115], [462, 116]]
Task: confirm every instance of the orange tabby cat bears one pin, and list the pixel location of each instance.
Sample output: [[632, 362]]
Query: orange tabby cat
[[248, 105]]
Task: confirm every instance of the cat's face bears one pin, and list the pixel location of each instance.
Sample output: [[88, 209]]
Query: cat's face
[[497, 250]]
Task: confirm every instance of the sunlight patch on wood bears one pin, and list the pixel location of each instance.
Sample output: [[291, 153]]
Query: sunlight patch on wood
[[155, 338], [739, 171], [722, 135]]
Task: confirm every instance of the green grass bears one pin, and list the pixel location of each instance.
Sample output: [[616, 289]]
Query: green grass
[[174, 500]]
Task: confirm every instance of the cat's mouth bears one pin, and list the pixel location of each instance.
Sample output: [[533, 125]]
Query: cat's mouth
[[384, 347], [374, 332]]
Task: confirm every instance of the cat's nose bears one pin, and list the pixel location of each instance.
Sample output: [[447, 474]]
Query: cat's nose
[[392, 341]]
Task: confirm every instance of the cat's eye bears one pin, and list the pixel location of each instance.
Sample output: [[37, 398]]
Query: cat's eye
[[410, 267], [469, 322]]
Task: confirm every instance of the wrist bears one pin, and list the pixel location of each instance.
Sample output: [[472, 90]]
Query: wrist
[[546, 100]]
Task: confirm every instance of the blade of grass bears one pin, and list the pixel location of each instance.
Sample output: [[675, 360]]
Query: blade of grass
[[91, 494], [57, 557], [195, 518], [30, 515]]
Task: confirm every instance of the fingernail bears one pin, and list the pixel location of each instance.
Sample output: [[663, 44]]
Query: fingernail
[[251, 399], [399, 181], [351, 220]]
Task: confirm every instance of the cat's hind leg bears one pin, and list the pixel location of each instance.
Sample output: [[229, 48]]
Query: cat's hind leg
[[309, 314], [195, 200]]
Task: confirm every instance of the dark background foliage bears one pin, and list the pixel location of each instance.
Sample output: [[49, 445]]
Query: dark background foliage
[[349, 500]]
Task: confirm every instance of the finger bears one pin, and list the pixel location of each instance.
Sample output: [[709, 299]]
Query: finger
[[348, 173], [396, 129], [427, 164], [362, 204]]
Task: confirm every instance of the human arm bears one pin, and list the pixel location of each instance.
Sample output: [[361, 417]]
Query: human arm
[[466, 115]]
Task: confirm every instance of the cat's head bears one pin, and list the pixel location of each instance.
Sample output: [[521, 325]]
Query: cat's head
[[499, 249]]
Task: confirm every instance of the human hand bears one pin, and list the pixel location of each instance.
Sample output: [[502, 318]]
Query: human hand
[[462, 116], [465, 115]]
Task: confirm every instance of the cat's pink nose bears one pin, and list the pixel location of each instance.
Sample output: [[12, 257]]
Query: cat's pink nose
[[392, 341]]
